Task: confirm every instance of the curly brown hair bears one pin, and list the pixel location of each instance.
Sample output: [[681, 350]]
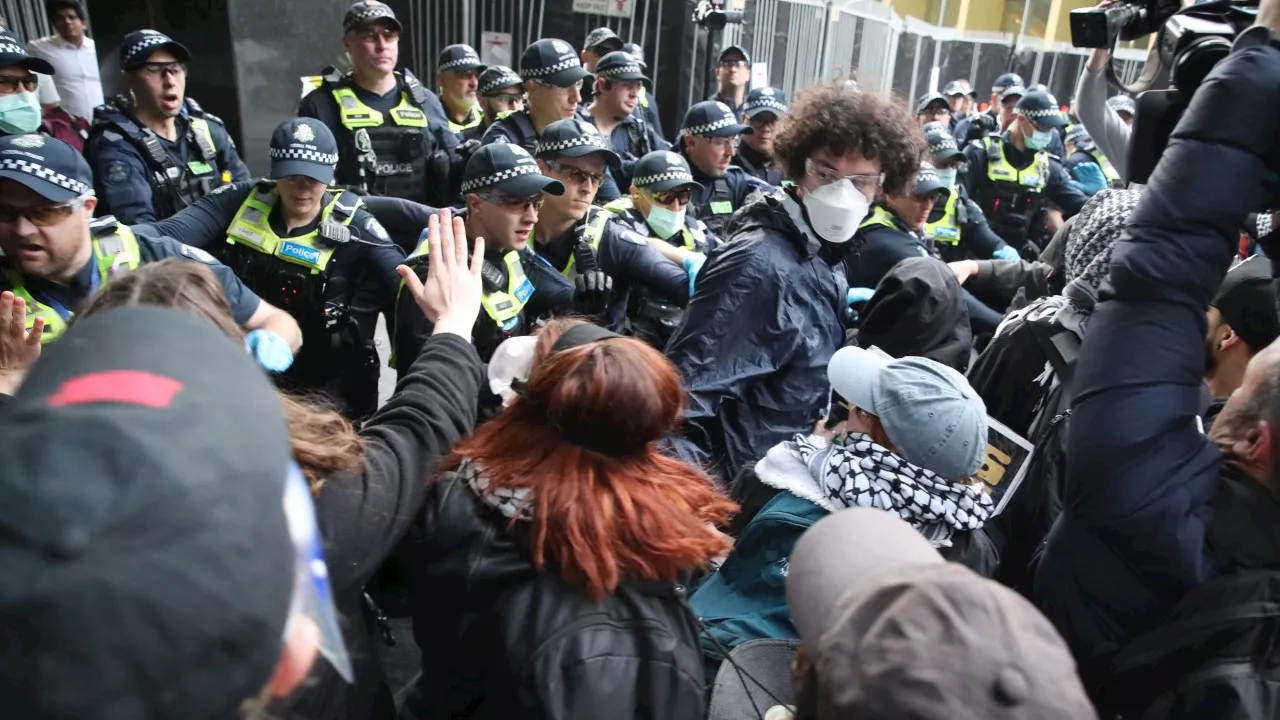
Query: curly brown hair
[[833, 117]]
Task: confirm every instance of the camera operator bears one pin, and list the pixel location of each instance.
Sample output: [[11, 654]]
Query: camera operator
[[1109, 132], [1167, 530]]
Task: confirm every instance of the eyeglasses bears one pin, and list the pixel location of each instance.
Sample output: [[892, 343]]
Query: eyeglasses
[[577, 175], [388, 35], [723, 143], [508, 98], [733, 64], [671, 197], [512, 202], [763, 120], [42, 215], [868, 185], [158, 69], [10, 85]]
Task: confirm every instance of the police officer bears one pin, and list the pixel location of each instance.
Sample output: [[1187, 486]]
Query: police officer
[[503, 188], [552, 75], [458, 71], [733, 72], [708, 140], [1013, 176], [957, 226], [960, 97], [1086, 164], [933, 107], [501, 92], [648, 103], [309, 250], [894, 231], [651, 248], [765, 106], [19, 104], [162, 152], [560, 260], [393, 137], [599, 42], [985, 123], [56, 256], [619, 78]]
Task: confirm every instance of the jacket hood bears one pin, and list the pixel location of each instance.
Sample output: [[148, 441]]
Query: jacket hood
[[780, 213], [919, 309]]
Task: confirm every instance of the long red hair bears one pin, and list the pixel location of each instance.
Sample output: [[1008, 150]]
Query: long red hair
[[606, 505]]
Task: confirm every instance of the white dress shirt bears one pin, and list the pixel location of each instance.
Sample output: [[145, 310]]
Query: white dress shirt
[[76, 72]]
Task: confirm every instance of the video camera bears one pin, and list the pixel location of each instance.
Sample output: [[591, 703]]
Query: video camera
[[1189, 43], [710, 14]]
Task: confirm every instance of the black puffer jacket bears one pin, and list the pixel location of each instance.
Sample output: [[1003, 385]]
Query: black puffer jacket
[[502, 640]]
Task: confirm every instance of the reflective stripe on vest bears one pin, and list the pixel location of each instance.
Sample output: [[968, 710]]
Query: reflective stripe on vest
[[356, 115], [251, 228], [693, 237], [204, 145], [643, 97], [474, 116], [112, 250], [504, 307], [947, 229], [880, 217], [999, 170], [1108, 170]]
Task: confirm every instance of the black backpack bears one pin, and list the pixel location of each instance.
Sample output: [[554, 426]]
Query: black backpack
[[1216, 656]]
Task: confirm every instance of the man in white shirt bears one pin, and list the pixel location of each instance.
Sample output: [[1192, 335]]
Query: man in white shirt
[[74, 57]]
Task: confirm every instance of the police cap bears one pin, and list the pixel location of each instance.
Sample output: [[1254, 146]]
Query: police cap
[[1040, 108], [957, 87], [1122, 104], [602, 41], [47, 166], [712, 118], [303, 146], [363, 14], [941, 143], [575, 138], [1006, 81], [553, 62], [929, 100], [1079, 137], [498, 78], [459, 58], [765, 100], [635, 50], [13, 53], [619, 65], [662, 171], [1013, 91], [729, 52], [927, 183], [508, 168], [140, 44]]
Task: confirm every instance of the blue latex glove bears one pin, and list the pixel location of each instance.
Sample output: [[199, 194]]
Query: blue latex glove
[[270, 350], [1006, 253], [692, 264], [857, 295], [1089, 177]]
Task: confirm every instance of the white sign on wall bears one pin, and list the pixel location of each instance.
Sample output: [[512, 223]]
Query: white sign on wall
[[495, 49], [612, 8]]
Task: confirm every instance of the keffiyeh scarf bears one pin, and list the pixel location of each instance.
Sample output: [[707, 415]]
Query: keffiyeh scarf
[[513, 503], [855, 471]]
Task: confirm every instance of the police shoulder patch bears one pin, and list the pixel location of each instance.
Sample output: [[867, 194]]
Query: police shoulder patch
[[221, 189], [112, 136], [634, 237], [197, 254], [373, 226], [117, 171]]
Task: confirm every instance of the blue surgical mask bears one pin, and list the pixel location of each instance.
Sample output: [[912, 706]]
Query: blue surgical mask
[[19, 113], [947, 177], [665, 222], [1039, 139]]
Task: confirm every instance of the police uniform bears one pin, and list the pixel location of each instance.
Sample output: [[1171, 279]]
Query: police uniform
[[332, 274], [600, 41], [716, 198], [507, 288], [142, 176], [632, 138], [1013, 187], [735, 107], [12, 53], [495, 80], [957, 226], [59, 174], [998, 88], [397, 144], [1085, 151], [762, 101], [553, 62], [648, 104], [461, 58]]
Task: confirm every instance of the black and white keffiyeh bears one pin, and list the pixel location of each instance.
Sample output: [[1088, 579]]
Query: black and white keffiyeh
[[855, 471], [513, 503], [1095, 232]]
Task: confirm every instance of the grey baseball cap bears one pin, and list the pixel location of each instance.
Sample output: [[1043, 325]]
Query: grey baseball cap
[[893, 630], [930, 412]]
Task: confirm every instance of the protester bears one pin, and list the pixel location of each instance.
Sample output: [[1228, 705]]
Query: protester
[[769, 309], [561, 528], [368, 485], [161, 549], [918, 309], [892, 630], [904, 436]]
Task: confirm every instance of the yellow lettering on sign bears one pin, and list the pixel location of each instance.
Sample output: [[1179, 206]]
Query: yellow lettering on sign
[[994, 468]]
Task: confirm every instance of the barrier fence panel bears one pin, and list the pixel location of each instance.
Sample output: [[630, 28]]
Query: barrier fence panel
[[26, 18]]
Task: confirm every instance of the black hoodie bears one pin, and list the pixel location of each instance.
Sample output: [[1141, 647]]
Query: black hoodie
[[919, 309]]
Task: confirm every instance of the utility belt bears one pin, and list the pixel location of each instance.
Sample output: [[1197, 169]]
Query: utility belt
[[651, 318]]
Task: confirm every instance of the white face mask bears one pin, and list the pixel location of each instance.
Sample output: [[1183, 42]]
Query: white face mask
[[836, 210]]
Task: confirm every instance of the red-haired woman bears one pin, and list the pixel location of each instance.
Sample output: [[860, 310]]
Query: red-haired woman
[[550, 559]]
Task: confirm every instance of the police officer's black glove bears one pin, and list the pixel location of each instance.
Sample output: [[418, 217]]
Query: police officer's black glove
[[465, 149], [591, 292], [980, 126]]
